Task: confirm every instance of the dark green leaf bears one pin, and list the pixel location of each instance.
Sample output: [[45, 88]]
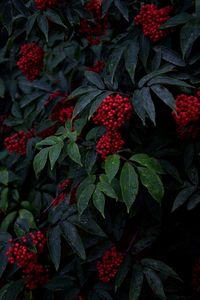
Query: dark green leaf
[[177, 20], [54, 245], [95, 79], [123, 271], [164, 94], [155, 284], [131, 58], [71, 235], [121, 5], [159, 266], [183, 196], [148, 104], [54, 153], [43, 25], [189, 34], [136, 283]]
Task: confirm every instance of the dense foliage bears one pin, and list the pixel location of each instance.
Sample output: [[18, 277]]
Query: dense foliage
[[99, 149]]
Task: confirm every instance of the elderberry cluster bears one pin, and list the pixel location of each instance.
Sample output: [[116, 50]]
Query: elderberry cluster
[[113, 113], [186, 115], [92, 31], [109, 143], [151, 18], [31, 60], [34, 273], [45, 4], [18, 141], [109, 264]]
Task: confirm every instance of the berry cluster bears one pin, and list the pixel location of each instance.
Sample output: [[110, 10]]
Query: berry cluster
[[98, 67], [113, 112], [196, 276], [92, 31], [186, 115], [109, 264], [45, 4], [109, 143], [151, 18], [18, 141], [34, 273], [62, 111], [31, 60]]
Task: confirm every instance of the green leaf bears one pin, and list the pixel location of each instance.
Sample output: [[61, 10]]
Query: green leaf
[[121, 5], [182, 18], [144, 49], [54, 153], [131, 58], [95, 79], [43, 25], [152, 182], [105, 7], [98, 199], [28, 216], [9, 219], [149, 162], [84, 197], [40, 160], [49, 141], [189, 34], [112, 164], [148, 104], [123, 271], [159, 266], [71, 235], [4, 175], [164, 95], [74, 153], [4, 199], [2, 88], [54, 17], [54, 245], [183, 196], [136, 282], [129, 184], [107, 189], [155, 283]]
